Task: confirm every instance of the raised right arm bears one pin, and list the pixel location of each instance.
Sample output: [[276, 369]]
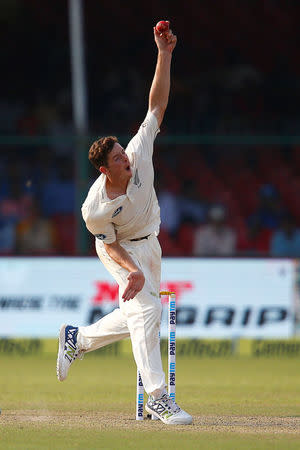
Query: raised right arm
[[160, 88]]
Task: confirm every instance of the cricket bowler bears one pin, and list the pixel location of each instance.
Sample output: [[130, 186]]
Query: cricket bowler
[[122, 212]]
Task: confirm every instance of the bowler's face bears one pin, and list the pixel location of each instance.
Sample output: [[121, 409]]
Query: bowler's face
[[118, 163]]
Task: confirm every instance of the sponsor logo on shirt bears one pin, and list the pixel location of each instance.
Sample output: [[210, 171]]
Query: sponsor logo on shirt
[[136, 180], [100, 236], [117, 211]]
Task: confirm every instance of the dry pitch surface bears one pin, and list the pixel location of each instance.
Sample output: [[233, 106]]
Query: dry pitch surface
[[106, 421]]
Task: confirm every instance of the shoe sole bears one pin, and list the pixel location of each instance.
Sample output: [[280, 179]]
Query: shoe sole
[[166, 421], [61, 346]]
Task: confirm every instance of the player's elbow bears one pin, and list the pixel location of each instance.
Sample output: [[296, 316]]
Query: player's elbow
[[88, 218], [111, 245], [91, 225], [111, 248]]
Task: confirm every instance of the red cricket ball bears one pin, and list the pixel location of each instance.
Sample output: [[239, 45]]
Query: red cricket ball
[[162, 26]]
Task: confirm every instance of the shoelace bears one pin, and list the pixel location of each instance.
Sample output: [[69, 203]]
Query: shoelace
[[170, 403], [72, 341]]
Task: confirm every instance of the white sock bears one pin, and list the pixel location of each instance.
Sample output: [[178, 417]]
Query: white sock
[[158, 393]]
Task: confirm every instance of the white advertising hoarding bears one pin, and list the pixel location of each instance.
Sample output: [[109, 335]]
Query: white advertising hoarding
[[217, 298], [228, 298]]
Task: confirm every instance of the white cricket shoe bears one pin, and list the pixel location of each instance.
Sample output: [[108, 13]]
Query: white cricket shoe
[[68, 350], [167, 411]]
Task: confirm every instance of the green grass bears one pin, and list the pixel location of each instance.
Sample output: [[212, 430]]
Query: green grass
[[204, 386], [47, 438], [101, 386]]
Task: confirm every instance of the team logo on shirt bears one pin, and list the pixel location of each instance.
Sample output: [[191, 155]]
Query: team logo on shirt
[[100, 236], [136, 180], [117, 211]]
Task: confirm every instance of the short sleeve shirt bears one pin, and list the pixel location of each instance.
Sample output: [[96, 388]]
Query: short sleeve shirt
[[136, 213]]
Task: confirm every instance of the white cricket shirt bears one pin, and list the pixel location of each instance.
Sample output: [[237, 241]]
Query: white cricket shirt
[[136, 213]]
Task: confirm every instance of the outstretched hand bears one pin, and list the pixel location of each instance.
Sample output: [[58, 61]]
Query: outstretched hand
[[136, 281], [165, 41]]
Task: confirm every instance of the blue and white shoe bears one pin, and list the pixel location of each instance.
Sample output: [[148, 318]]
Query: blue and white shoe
[[167, 411], [68, 350]]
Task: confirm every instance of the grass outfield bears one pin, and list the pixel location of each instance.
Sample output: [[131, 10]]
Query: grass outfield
[[236, 403]]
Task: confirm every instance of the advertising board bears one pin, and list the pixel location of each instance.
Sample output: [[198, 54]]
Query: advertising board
[[216, 298]]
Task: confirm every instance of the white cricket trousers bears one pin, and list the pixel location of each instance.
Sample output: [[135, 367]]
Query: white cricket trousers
[[138, 318]]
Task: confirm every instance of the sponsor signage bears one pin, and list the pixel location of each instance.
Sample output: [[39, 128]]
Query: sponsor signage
[[231, 298], [199, 348], [215, 298]]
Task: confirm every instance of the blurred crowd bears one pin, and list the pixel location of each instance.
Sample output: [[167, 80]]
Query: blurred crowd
[[215, 200], [230, 201], [236, 73]]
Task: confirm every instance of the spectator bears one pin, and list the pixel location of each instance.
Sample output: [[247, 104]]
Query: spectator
[[256, 239], [270, 210], [286, 240], [169, 208], [58, 196], [192, 209], [7, 237], [13, 206], [216, 238], [35, 234]]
